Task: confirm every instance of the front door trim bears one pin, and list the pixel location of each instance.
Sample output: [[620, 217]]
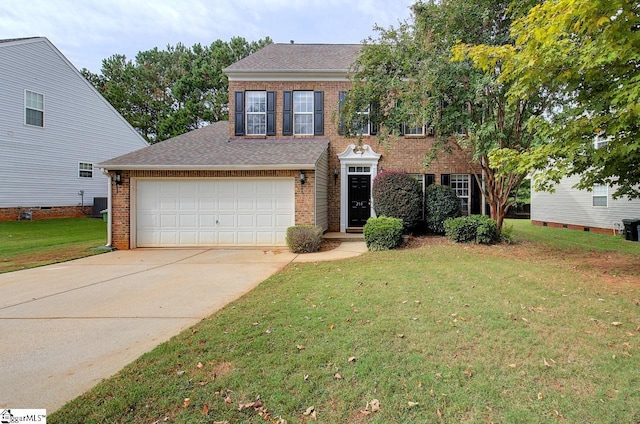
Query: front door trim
[[355, 156]]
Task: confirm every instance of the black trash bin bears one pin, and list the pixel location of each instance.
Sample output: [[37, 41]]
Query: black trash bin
[[631, 228]]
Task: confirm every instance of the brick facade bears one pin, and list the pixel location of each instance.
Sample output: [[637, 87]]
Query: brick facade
[[404, 154], [573, 227], [121, 196], [12, 214]]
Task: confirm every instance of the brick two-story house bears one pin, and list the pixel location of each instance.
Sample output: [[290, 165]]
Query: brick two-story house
[[280, 160]]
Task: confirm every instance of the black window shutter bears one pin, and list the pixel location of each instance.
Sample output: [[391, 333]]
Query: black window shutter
[[373, 118], [239, 112], [287, 113], [271, 113], [341, 99], [445, 180], [318, 113], [429, 179], [476, 196]]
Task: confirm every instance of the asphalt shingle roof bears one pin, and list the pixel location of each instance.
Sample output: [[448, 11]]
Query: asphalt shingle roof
[[299, 58], [211, 148]]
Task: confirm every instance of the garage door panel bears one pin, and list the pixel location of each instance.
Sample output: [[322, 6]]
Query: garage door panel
[[213, 212]]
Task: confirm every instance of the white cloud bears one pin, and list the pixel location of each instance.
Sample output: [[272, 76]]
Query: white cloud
[[88, 31]]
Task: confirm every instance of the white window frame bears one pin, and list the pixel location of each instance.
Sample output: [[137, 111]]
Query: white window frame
[[85, 170], [303, 99], [600, 196], [37, 107], [413, 131], [261, 112], [461, 184], [365, 129]]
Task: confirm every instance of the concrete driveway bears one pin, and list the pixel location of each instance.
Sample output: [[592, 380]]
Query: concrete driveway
[[65, 327]]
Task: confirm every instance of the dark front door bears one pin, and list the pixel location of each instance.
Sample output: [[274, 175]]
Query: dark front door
[[359, 204]]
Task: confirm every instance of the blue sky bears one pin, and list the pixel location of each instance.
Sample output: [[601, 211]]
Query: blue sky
[[87, 31]]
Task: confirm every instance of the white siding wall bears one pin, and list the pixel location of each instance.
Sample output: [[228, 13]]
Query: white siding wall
[[39, 166], [571, 206], [322, 191]]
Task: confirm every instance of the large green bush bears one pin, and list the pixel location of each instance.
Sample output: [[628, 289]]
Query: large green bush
[[473, 228], [304, 238], [441, 203], [383, 233], [398, 195]]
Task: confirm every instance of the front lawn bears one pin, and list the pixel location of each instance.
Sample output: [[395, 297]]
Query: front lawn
[[27, 244], [539, 331]]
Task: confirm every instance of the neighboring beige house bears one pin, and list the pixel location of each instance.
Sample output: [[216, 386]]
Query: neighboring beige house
[[54, 127], [280, 160]]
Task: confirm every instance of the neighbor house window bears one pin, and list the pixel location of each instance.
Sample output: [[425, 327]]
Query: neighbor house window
[[600, 195], [34, 108], [256, 110], [303, 112], [85, 170], [460, 183]]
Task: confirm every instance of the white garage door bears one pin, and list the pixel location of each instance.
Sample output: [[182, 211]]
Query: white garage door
[[213, 212]]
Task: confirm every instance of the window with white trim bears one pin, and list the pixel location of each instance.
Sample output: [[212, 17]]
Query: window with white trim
[[85, 170], [256, 112], [303, 112], [407, 130], [365, 123], [34, 108], [600, 195], [460, 183]]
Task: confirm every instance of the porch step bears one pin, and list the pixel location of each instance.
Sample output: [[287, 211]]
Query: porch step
[[344, 237]]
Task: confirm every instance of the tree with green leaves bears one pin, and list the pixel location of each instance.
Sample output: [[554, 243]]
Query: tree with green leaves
[[165, 93], [412, 75], [586, 52]]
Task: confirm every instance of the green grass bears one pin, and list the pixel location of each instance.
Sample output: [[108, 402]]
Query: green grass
[[538, 331], [27, 244]]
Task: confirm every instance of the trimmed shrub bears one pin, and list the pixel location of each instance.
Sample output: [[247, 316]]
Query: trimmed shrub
[[473, 228], [441, 203], [398, 195], [304, 238], [383, 233]]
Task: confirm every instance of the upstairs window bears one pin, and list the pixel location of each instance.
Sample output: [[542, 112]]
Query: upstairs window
[[407, 130], [364, 125], [34, 108], [256, 113], [85, 170], [460, 183], [303, 112]]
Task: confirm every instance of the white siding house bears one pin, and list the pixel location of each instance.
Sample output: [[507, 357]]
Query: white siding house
[[54, 127], [580, 209]]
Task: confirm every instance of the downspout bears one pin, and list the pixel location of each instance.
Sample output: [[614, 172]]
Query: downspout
[[105, 172]]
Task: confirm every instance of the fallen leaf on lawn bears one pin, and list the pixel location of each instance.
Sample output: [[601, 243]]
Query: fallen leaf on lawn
[[439, 412], [540, 396], [309, 411], [348, 319], [268, 331], [200, 365], [227, 399], [412, 404], [525, 320], [202, 383], [468, 373], [299, 347], [375, 405], [401, 336], [180, 372], [546, 363], [337, 376], [352, 359], [331, 326], [306, 377], [512, 365], [186, 402], [404, 301], [205, 409], [616, 323]]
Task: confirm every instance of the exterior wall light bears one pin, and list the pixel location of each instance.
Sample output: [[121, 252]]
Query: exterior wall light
[[302, 177]]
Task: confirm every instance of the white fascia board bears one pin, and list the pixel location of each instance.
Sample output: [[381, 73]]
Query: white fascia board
[[278, 167], [318, 75]]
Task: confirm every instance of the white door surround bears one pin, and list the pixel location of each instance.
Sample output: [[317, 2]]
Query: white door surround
[[362, 160]]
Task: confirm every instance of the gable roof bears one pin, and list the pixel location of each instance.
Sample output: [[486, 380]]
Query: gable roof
[[210, 148], [326, 60]]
